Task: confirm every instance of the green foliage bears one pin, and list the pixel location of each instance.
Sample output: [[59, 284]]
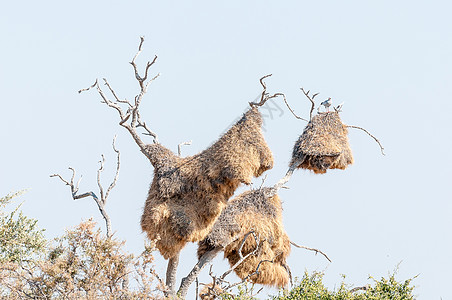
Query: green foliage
[[311, 287], [21, 239]]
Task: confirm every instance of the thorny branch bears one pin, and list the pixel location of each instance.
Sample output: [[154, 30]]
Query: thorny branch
[[103, 196], [376, 140], [311, 249], [132, 113]]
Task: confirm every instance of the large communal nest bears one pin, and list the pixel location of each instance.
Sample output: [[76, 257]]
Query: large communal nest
[[188, 194], [258, 212], [323, 145]]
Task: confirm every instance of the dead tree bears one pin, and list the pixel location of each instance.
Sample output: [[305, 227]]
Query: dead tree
[[187, 194], [102, 201]]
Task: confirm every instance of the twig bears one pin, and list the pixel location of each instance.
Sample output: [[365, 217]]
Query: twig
[[256, 272], [131, 119], [311, 249], [180, 146], [241, 257], [264, 95], [310, 99], [88, 88], [376, 140], [291, 110], [103, 196], [263, 181]]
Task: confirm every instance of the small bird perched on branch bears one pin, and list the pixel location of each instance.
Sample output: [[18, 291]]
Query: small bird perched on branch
[[327, 104]]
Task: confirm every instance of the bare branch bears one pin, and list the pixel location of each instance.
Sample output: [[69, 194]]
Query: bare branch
[[171, 270], [288, 175], [243, 258], [103, 197], [62, 179], [114, 94], [310, 99], [180, 146], [225, 286], [137, 76], [187, 281], [311, 249], [130, 118], [74, 188], [88, 88], [255, 272], [263, 181], [101, 169], [291, 110], [265, 96], [148, 65], [378, 142], [118, 166]]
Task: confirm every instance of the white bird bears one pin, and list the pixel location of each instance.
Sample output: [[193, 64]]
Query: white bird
[[339, 107], [327, 104]]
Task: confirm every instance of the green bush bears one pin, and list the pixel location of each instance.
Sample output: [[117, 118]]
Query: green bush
[[21, 239], [311, 287]]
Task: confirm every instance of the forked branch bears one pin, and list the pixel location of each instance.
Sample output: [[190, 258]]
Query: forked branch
[[311, 99], [208, 257], [179, 147], [194, 273], [265, 96], [241, 257], [225, 286], [102, 201], [130, 117]]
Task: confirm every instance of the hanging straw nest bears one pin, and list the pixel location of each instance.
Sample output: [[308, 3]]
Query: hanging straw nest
[[257, 211], [323, 145], [188, 194]]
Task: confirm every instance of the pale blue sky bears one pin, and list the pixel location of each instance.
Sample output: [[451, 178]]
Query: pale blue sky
[[390, 61]]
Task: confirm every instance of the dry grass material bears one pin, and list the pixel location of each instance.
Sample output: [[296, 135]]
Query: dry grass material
[[259, 211], [188, 194], [323, 145]]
